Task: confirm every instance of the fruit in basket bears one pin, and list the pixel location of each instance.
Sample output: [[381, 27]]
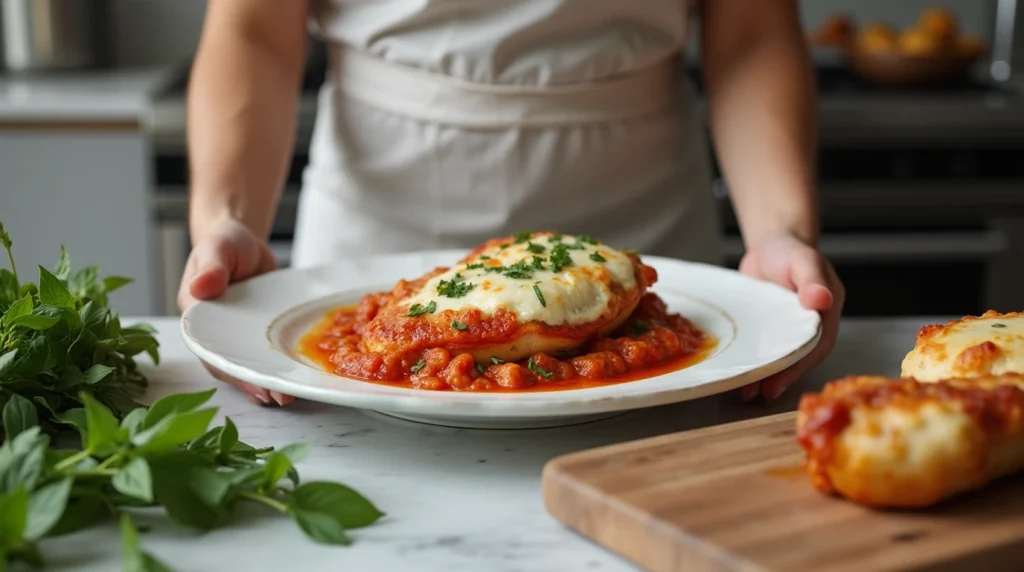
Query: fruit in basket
[[877, 38], [837, 30], [918, 42], [939, 24], [970, 46]]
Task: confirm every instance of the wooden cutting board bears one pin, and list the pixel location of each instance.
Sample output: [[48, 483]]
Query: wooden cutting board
[[733, 497]]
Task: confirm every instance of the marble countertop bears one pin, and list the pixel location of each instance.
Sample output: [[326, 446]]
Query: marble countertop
[[456, 499], [93, 96]]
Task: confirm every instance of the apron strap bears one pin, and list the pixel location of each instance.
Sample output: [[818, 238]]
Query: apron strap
[[442, 99]]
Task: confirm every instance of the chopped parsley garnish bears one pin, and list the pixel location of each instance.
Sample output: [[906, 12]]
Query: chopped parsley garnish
[[458, 325], [419, 365], [540, 296], [998, 325], [484, 257], [560, 258], [474, 266], [503, 246], [555, 238], [457, 287], [639, 328], [521, 237], [538, 263], [587, 239], [519, 271], [532, 366], [418, 310], [497, 361], [535, 248], [480, 368], [596, 257]]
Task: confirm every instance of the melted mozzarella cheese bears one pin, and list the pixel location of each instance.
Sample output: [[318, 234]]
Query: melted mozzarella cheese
[[939, 356], [578, 293]]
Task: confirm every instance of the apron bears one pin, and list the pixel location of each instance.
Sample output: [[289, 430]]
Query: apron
[[443, 123]]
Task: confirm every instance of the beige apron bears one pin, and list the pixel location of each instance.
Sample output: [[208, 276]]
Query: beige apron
[[441, 126]]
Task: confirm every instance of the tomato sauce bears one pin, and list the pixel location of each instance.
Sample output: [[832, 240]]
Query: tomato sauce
[[653, 342]]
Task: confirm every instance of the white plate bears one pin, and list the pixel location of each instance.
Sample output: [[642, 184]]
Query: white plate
[[252, 331]]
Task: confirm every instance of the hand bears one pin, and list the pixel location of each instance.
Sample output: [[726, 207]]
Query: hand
[[228, 254], [792, 263]]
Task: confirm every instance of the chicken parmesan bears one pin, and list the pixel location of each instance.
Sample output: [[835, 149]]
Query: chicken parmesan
[[901, 443], [533, 309], [992, 343]]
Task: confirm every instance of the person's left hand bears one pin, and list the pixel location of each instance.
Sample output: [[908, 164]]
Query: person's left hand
[[790, 262]]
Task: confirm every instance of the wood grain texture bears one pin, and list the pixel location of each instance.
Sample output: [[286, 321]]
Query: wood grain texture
[[733, 497]]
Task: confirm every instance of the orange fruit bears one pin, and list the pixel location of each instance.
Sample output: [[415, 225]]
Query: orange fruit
[[940, 24], [877, 38], [918, 42]]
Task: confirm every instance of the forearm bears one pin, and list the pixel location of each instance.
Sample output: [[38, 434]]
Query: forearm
[[240, 126], [763, 118]]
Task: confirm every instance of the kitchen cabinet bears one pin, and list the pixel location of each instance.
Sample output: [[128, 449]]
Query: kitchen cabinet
[[75, 169], [86, 186]]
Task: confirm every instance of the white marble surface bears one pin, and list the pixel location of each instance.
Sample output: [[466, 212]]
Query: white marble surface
[[97, 95], [456, 500]]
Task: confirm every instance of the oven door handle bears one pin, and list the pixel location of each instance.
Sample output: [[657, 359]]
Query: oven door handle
[[901, 247]]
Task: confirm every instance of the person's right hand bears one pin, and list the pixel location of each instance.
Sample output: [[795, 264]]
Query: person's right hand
[[229, 253]]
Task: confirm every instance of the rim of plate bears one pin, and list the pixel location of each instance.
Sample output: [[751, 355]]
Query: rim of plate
[[235, 334]]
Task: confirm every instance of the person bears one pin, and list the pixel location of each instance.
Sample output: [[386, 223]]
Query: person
[[443, 123]]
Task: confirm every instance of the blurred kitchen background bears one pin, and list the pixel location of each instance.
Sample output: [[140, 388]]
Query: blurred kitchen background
[[922, 185]]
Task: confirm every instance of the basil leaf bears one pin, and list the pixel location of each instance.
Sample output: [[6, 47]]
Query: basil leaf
[[19, 415], [174, 430], [8, 287], [320, 527], [208, 440], [92, 314], [228, 436], [71, 319], [296, 451], [175, 403], [53, 292], [133, 420], [276, 468], [242, 477], [33, 357], [172, 489], [135, 480], [209, 485], [35, 321], [24, 464], [111, 283], [13, 515], [133, 558], [343, 504], [84, 283], [46, 507], [135, 344], [97, 373], [102, 427], [78, 419], [131, 554], [7, 362], [63, 267], [20, 308]]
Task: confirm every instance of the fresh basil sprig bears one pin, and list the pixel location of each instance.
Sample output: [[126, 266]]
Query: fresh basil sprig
[[66, 363], [59, 338], [165, 455]]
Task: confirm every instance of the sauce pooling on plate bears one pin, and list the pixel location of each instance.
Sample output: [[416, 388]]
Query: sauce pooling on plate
[[651, 342]]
